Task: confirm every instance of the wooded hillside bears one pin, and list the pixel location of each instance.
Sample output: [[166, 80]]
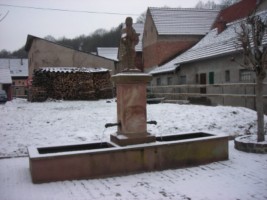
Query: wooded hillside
[[100, 38]]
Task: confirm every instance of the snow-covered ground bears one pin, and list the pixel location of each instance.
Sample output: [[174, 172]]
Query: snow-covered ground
[[24, 124]]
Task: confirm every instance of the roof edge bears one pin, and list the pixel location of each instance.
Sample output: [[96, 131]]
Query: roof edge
[[30, 39]]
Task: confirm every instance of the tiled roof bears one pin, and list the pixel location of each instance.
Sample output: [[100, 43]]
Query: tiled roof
[[181, 21], [73, 69], [108, 52], [18, 67], [169, 67], [5, 76], [236, 11], [211, 45]]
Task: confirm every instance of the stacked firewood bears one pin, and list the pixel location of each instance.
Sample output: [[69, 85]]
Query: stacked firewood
[[102, 85], [37, 94], [72, 86]]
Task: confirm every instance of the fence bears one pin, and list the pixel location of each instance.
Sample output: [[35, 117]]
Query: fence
[[233, 94]]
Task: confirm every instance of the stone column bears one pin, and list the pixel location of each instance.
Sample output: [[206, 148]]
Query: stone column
[[131, 109]]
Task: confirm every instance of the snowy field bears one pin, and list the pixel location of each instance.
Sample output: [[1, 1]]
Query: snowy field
[[22, 124]]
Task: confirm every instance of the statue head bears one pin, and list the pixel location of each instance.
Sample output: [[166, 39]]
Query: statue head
[[129, 21]]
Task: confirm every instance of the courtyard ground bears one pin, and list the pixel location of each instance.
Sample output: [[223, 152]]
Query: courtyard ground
[[24, 124]]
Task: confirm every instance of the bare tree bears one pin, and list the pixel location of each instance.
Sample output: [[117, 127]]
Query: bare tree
[[141, 18], [227, 3], [206, 5], [2, 18], [250, 39]]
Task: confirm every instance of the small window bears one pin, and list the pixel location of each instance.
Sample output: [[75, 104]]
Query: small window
[[158, 81], [211, 78], [169, 80], [245, 75], [227, 76], [182, 80]]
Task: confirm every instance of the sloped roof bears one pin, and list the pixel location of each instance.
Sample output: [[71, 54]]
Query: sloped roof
[[31, 38], [212, 45], [108, 52], [169, 67], [183, 21], [73, 69], [5, 76], [18, 67], [235, 12]]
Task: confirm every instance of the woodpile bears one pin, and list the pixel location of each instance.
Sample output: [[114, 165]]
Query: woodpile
[[71, 84]]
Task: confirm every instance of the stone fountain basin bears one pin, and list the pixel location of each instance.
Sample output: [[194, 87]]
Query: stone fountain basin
[[104, 159]]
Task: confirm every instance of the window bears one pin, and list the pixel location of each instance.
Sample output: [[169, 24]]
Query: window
[[211, 78], [227, 76], [182, 80], [158, 81], [245, 75], [169, 80]]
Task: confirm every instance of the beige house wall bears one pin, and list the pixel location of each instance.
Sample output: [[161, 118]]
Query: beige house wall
[[150, 31], [47, 54]]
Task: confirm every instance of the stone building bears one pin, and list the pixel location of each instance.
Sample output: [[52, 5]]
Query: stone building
[[19, 73], [170, 31], [5, 81], [213, 63], [44, 53]]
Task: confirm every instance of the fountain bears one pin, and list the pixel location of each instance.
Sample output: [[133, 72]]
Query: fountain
[[131, 149]]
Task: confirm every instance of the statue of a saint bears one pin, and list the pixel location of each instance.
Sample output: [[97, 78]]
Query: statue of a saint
[[129, 39]]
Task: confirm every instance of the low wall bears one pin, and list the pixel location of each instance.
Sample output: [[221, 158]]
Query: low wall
[[80, 162]]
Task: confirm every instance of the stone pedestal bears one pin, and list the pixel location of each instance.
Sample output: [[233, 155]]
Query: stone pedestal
[[131, 109]]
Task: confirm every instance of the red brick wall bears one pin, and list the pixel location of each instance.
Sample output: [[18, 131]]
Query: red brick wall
[[158, 53]]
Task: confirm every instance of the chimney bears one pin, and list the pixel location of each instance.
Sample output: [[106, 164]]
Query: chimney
[[221, 25]]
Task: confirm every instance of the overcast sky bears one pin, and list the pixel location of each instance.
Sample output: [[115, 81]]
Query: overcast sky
[[21, 21]]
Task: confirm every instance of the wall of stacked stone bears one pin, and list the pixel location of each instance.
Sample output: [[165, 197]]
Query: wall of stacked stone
[[250, 147]]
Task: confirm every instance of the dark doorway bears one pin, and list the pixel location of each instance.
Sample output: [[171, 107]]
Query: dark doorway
[[203, 81]]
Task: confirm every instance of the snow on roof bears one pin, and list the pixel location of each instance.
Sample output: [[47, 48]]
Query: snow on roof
[[168, 67], [5, 76], [183, 21], [108, 52], [212, 45], [18, 67], [73, 69]]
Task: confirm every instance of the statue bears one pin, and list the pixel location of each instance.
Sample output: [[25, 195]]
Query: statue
[[129, 39]]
